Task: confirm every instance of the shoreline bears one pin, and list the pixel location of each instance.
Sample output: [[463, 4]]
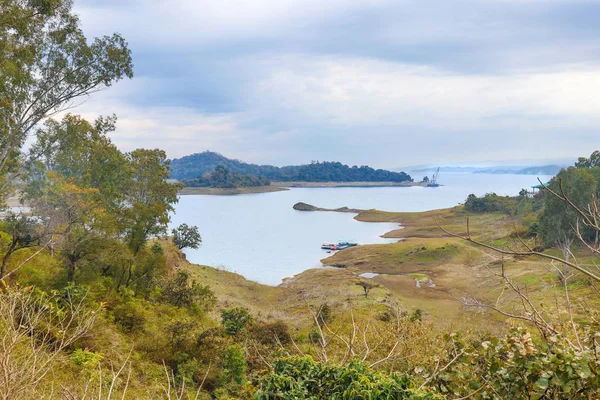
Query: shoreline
[[208, 191], [347, 184], [283, 186]]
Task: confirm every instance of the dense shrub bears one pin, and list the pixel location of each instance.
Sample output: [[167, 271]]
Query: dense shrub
[[271, 333], [303, 378], [130, 317], [234, 366], [234, 320], [520, 367], [181, 291], [491, 202]]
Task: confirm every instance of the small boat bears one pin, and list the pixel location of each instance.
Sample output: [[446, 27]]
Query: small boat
[[329, 246], [339, 246]]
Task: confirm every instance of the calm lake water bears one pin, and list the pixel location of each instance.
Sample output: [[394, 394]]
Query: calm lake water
[[262, 238]]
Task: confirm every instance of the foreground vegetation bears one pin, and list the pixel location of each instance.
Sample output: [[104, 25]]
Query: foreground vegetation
[[98, 302]]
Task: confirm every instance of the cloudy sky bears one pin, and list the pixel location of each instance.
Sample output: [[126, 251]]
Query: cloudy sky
[[382, 82]]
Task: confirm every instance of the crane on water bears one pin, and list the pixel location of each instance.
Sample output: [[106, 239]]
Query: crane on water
[[434, 179]]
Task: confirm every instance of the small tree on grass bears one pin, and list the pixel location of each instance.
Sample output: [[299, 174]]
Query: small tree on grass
[[186, 236], [24, 233], [367, 286], [234, 366], [182, 291]]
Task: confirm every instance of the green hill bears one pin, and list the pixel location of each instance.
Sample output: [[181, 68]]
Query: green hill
[[195, 165]]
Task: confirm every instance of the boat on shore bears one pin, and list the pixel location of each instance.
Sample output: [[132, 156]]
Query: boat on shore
[[338, 246]]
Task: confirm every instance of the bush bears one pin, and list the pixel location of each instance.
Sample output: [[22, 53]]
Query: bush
[[302, 378], [272, 333], [180, 291], [234, 320], [519, 367], [325, 313], [131, 317], [491, 202], [234, 366]]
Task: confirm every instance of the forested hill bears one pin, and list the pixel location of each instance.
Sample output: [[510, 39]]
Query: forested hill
[[193, 166]]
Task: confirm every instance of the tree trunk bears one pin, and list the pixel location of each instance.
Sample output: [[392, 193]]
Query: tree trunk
[[6, 257], [129, 275], [71, 270]]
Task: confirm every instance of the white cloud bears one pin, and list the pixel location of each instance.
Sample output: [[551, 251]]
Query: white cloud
[[180, 23], [351, 92], [269, 81]]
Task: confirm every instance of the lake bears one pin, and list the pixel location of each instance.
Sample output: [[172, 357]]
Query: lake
[[261, 236]]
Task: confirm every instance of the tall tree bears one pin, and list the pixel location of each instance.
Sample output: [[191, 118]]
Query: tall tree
[[150, 196], [558, 221], [77, 218], [46, 64], [81, 151], [591, 162]]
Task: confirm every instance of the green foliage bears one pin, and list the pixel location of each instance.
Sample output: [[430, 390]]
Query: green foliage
[[221, 177], [87, 362], [97, 196], [269, 333], [195, 165], [186, 236], [24, 233], [303, 378], [180, 291], [558, 219], [234, 366], [491, 202], [417, 315], [47, 62], [82, 153], [315, 335], [150, 196], [518, 367], [131, 316], [325, 313], [234, 320], [591, 162]]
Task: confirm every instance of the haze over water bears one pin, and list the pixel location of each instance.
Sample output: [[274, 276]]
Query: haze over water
[[261, 236]]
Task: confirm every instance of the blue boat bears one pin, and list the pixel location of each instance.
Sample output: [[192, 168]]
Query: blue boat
[[339, 246]]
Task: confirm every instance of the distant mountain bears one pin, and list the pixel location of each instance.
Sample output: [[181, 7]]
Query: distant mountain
[[195, 165], [536, 170], [444, 169], [499, 169]]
